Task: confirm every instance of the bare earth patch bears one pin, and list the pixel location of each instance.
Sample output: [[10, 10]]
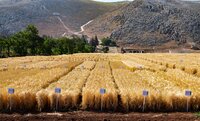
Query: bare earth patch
[[98, 116]]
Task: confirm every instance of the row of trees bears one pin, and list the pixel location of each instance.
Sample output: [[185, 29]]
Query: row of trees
[[28, 42]]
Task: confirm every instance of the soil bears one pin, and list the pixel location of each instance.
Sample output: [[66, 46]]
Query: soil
[[99, 116]]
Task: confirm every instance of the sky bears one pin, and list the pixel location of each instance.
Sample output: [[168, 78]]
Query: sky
[[127, 0], [112, 0]]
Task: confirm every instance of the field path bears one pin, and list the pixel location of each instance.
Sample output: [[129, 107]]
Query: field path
[[111, 69]]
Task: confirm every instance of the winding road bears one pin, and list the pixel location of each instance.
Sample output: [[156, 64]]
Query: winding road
[[70, 31], [66, 28], [82, 27]]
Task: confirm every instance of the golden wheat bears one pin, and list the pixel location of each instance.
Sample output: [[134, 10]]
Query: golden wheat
[[71, 86], [123, 76], [100, 77]]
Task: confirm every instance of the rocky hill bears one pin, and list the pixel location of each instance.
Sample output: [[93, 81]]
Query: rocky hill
[[151, 23], [52, 17]]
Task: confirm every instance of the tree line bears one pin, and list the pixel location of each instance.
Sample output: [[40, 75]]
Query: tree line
[[28, 42]]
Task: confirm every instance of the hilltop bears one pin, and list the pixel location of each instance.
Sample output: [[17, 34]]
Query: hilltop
[[52, 17], [151, 24]]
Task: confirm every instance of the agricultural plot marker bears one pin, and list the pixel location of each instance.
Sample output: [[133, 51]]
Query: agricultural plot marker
[[145, 93], [57, 91], [11, 91], [82, 67], [102, 92], [139, 67], [188, 93]]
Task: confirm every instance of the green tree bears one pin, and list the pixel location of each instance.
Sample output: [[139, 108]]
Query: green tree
[[79, 44], [94, 42], [31, 33], [83, 37], [113, 43], [106, 41], [105, 49], [2, 46], [48, 45], [8, 45], [65, 45], [70, 44], [20, 43], [88, 48], [28, 42]]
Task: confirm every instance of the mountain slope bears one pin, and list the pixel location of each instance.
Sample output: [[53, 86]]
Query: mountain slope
[[52, 17], [151, 23]]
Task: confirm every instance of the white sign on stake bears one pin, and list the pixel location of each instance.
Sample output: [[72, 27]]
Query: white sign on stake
[[145, 93], [188, 93], [57, 91], [102, 92], [10, 91]]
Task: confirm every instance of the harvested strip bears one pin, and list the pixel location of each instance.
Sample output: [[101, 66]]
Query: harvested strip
[[147, 65], [89, 65], [132, 65], [117, 65], [42, 65]]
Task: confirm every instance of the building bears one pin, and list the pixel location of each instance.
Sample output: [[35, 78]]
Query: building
[[136, 50]]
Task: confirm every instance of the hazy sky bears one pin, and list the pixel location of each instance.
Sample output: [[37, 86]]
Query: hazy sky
[[128, 0], [112, 0]]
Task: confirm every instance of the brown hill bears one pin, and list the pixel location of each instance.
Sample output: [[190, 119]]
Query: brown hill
[[151, 24], [52, 17]]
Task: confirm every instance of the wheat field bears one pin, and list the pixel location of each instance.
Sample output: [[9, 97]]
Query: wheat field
[[101, 82]]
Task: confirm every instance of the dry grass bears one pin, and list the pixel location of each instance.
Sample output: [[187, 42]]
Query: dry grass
[[124, 76]]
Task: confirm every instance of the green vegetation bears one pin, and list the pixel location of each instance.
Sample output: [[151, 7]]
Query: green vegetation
[[28, 42], [105, 49], [198, 114], [108, 42], [94, 42]]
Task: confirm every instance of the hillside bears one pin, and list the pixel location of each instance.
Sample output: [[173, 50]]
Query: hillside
[[52, 17], [155, 23]]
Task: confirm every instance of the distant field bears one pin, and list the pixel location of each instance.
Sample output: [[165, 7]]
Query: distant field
[[101, 82]]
